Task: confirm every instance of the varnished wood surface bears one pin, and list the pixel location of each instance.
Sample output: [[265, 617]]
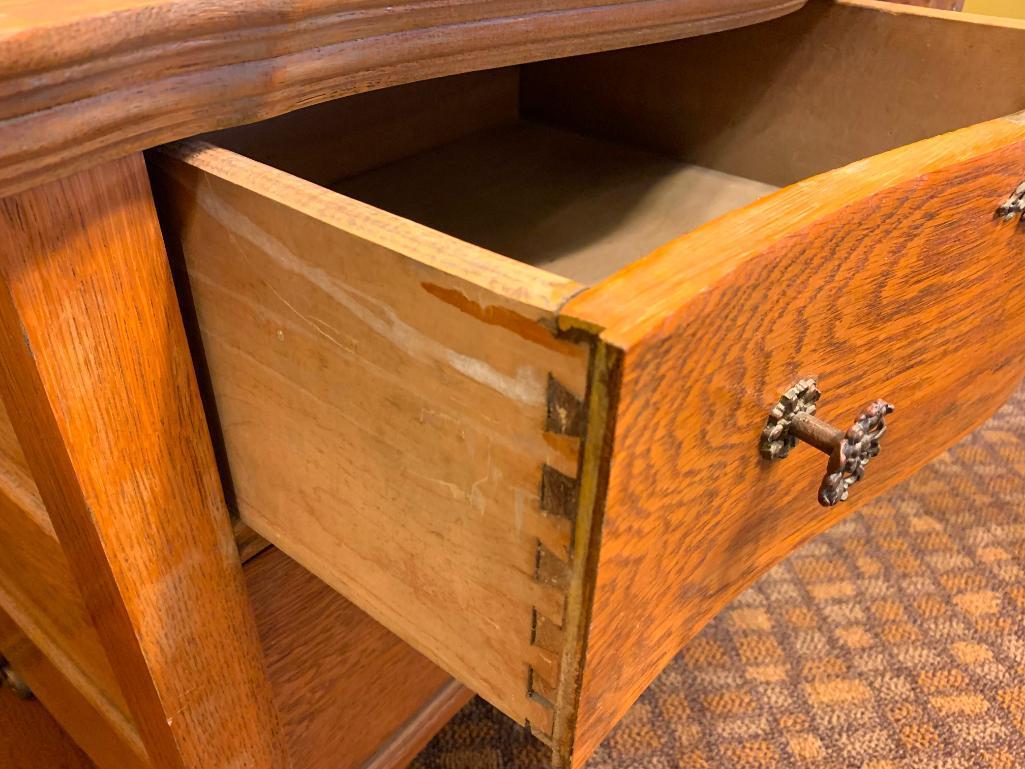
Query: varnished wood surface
[[239, 215], [91, 80], [407, 743], [781, 101], [887, 279], [98, 382], [31, 739], [350, 694], [575, 205], [383, 391], [35, 583]]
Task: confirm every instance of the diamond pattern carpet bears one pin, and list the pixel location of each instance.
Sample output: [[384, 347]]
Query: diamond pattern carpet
[[893, 641]]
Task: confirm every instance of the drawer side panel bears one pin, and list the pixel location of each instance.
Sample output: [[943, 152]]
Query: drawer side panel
[[383, 391]]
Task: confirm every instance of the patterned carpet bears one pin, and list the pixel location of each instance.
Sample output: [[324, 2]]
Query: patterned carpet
[[895, 640]]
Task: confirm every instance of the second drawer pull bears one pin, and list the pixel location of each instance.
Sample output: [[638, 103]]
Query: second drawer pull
[[793, 419], [1014, 205], [11, 679]]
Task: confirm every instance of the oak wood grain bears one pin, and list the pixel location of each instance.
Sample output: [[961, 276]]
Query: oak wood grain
[[98, 382], [235, 262], [890, 278], [404, 746], [36, 586], [86, 81], [382, 391], [328, 663], [834, 82], [345, 137]]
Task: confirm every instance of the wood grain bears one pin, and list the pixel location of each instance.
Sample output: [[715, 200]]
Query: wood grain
[[255, 290], [801, 95], [406, 744], [98, 382], [36, 586], [889, 278], [328, 663], [91, 80], [382, 391], [345, 137]]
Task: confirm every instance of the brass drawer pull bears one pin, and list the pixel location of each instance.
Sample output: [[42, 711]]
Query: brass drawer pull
[[793, 419]]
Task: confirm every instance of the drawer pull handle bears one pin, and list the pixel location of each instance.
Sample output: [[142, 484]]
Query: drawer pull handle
[[11, 679], [793, 419], [1014, 205]]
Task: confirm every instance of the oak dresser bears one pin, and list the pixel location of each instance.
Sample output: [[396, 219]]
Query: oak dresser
[[357, 357]]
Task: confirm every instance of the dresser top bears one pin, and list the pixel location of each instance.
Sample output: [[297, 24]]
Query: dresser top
[[83, 81]]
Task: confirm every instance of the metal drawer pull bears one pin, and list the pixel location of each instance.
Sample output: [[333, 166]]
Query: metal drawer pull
[[1014, 205], [793, 419], [11, 679]]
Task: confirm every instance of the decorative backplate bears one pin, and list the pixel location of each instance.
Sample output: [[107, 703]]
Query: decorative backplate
[[777, 440]]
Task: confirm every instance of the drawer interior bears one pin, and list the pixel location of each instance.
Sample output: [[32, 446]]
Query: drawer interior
[[583, 165], [576, 205], [519, 184]]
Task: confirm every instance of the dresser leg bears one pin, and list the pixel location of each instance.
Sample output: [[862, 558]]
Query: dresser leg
[[97, 379]]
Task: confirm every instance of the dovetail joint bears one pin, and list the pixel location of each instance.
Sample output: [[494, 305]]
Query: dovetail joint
[[559, 494], [565, 413]]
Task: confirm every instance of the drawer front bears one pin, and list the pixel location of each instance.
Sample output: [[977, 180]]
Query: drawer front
[[892, 278]]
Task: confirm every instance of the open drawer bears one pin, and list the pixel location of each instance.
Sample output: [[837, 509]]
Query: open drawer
[[542, 469]]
